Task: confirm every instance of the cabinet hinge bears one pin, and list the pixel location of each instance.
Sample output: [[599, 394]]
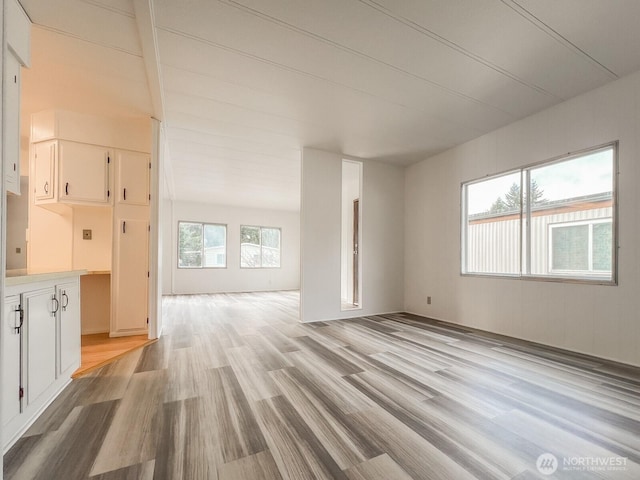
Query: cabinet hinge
[[21, 392]]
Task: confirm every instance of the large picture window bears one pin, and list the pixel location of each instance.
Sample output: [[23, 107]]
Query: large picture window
[[202, 245], [259, 247], [555, 220]]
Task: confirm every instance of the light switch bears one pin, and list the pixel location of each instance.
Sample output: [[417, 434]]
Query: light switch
[[86, 234]]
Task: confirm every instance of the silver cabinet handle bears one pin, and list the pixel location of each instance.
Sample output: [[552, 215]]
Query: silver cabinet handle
[[65, 302], [46, 187], [55, 310]]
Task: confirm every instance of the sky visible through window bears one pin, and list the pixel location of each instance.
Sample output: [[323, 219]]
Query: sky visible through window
[[576, 177]]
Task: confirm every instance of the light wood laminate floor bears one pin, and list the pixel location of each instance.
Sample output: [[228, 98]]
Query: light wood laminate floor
[[99, 349], [237, 389]]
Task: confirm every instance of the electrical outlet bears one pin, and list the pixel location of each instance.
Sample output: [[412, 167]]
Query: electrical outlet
[[428, 300], [18, 250], [86, 234]]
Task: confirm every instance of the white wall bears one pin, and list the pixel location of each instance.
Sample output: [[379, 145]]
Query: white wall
[[598, 320], [94, 254], [382, 239], [233, 278]]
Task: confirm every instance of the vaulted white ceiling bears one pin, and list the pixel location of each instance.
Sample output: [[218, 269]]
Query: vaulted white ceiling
[[243, 85]]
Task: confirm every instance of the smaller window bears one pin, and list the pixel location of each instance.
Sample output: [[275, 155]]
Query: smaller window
[[259, 247], [202, 245], [581, 247]]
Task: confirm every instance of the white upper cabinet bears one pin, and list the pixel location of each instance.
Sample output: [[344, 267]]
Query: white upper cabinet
[[71, 173], [83, 173], [44, 162], [16, 52], [11, 123], [132, 177]]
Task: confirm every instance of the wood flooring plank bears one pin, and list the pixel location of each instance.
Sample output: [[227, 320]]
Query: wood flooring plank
[[270, 357], [184, 451], [153, 357], [142, 471], [412, 416], [133, 435], [234, 422], [260, 466], [329, 358], [333, 429], [343, 395], [381, 467], [562, 443], [418, 457], [83, 439], [253, 377], [296, 451]]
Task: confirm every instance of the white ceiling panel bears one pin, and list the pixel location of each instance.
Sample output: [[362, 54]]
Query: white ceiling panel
[[247, 84], [495, 34], [606, 31], [97, 22]]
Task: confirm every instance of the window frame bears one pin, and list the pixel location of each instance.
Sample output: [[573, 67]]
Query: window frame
[[525, 222], [260, 228], [202, 267]]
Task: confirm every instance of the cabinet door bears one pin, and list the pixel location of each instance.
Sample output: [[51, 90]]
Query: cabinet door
[[11, 123], [11, 380], [44, 154], [84, 173], [40, 308], [133, 177], [69, 317], [130, 280]]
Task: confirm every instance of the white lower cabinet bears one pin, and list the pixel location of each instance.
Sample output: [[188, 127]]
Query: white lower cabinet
[[69, 324], [41, 347], [40, 315], [11, 368]]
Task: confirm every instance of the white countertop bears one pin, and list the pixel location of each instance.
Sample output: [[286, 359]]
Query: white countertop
[[19, 278]]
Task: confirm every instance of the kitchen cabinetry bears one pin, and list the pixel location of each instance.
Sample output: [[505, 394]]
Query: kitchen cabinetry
[[68, 295], [38, 358], [16, 52], [11, 367], [44, 160], [71, 173], [40, 308], [132, 177], [11, 123], [130, 279]]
